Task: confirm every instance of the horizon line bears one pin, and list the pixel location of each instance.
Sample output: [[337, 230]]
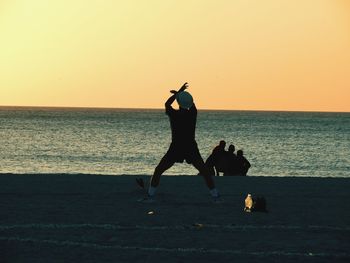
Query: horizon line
[[161, 108]]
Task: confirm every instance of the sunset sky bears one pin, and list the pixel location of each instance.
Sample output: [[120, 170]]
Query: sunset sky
[[235, 54]]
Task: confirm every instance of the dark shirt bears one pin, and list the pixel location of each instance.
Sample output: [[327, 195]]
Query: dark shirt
[[232, 164], [183, 124], [243, 165], [217, 157]]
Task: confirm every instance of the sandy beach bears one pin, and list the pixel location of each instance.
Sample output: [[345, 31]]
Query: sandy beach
[[95, 218]]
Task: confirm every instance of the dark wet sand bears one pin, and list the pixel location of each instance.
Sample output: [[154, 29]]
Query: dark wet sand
[[94, 218]]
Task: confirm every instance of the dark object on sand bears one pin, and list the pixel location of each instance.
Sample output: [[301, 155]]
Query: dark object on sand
[[140, 183], [255, 204], [259, 204]]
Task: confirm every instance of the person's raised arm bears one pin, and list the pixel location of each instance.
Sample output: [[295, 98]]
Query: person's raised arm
[[173, 97]]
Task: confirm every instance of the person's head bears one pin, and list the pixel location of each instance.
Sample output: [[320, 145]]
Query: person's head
[[184, 99], [222, 144], [240, 153], [231, 148]]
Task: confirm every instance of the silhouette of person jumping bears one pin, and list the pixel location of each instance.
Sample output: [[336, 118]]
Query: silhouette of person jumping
[[216, 162], [183, 145], [243, 164]]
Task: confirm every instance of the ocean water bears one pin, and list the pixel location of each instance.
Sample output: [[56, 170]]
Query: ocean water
[[130, 141]]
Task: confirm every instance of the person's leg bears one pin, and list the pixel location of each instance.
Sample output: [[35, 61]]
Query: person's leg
[[217, 172], [164, 164], [193, 156], [245, 171], [205, 172]]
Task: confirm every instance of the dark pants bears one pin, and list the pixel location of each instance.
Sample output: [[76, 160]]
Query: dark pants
[[179, 153]]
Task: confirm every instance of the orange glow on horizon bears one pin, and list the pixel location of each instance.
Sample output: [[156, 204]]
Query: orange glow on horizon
[[238, 55]]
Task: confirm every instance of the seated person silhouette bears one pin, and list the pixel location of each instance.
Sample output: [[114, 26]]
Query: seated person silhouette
[[243, 164], [216, 161], [231, 159]]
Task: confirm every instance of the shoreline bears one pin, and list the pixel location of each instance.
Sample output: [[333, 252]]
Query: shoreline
[[170, 175]]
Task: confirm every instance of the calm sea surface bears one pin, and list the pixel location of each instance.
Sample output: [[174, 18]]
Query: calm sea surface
[[120, 141]]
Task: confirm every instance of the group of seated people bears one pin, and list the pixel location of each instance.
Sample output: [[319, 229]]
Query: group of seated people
[[227, 162]]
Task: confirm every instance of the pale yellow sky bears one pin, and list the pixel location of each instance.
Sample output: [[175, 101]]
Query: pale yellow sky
[[235, 54]]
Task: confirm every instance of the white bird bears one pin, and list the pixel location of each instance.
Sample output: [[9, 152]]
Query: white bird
[[248, 203]]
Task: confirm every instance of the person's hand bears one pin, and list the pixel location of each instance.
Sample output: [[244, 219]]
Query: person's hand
[[184, 86], [173, 91]]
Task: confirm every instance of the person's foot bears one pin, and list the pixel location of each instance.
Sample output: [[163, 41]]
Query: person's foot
[[147, 199], [218, 199]]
